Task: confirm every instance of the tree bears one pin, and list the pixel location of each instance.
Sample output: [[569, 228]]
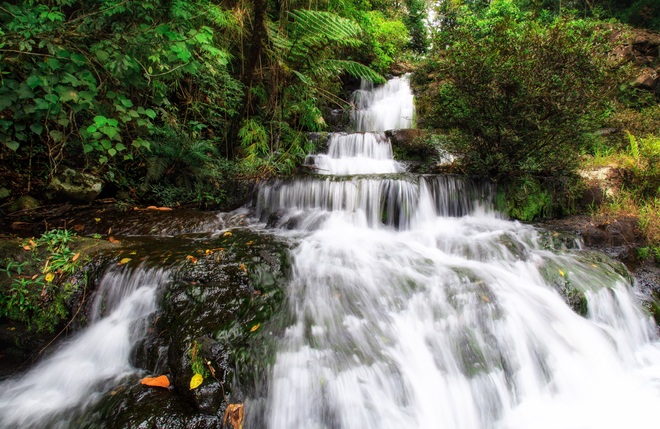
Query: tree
[[520, 94]]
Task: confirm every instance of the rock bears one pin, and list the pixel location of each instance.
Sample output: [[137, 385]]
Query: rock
[[648, 79], [25, 202], [78, 186], [601, 183]]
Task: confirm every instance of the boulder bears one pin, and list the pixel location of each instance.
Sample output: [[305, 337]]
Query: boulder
[[25, 202], [647, 79], [76, 185]]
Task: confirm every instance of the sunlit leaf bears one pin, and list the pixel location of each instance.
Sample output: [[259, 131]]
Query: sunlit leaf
[[124, 261], [227, 234], [196, 381], [255, 327], [191, 259], [49, 277]]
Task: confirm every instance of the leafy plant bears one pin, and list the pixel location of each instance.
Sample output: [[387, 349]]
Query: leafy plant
[[521, 93]]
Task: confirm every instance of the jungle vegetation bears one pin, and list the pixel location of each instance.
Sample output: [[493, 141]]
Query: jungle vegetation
[[171, 101]]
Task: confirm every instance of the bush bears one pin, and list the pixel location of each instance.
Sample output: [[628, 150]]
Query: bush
[[520, 92]]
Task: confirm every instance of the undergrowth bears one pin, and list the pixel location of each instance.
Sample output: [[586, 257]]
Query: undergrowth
[[36, 289]]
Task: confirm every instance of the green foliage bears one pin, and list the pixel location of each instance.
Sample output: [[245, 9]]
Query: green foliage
[[521, 94], [39, 298], [527, 200], [416, 26], [386, 40]]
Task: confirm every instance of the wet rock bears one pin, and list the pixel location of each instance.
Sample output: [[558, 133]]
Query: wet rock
[[212, 315], [23, 203], [76, 185], [647, 79]]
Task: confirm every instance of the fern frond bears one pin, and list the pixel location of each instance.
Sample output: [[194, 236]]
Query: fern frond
[[353, 68], [319, 24]]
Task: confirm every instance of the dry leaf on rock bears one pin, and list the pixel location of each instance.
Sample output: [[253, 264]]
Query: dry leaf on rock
[[160, 381], [234, 416]]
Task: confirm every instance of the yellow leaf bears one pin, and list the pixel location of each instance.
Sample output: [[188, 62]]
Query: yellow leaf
[[227, 234], [50, 277], [562, 273], [196, 381], [97, 219], [249, 243], [242, 267], [160, 381], [124, 261], [255, 327]]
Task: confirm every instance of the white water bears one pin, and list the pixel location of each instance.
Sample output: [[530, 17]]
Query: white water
[[415, 305], [76, 375]]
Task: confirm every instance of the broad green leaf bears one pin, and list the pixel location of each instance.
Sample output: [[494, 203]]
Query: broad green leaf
[[109, 131], [150, 113], [12, 145], [120, 147], [112, 152], [37, 128], [88, 148], [100, 121]]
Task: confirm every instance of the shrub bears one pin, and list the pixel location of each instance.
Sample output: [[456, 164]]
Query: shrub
[[520, 92]]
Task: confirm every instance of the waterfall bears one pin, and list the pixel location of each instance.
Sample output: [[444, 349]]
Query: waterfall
[[84, 368], [415, 304]]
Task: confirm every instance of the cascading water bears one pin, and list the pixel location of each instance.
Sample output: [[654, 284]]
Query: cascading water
[[53, 392], [415, 305]]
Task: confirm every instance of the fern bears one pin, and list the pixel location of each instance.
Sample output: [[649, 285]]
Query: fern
[[354, 69]]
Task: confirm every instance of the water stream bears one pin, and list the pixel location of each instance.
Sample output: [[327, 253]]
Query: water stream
[[51, 394], [416, 305], [413, 304]]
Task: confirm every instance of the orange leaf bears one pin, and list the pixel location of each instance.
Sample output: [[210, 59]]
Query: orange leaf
[[152, 208], [242, 267], [75, 257], [113, 240], [27, 248], [255, 327], [160, 381], [79, 228], [234, 416], [164, 209], [191, 259]]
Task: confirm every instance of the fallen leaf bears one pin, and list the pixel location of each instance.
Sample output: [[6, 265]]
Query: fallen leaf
[[50, 277], [160, 381], [113, 240], [32, 243], [196, 381], [234, 416], [249, 243], [485, 298], [124, 261], [562, 273], [75, 257], [27, 248], [242, 267], [255, 327], [79, 227], [152, 208], [97, 219], [191, 259], [164, 209], [227, 234]]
